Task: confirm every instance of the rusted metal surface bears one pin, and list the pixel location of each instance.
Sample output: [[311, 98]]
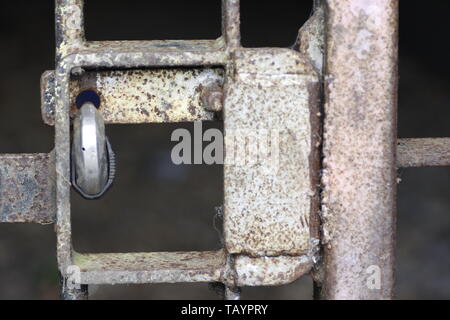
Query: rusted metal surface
[[429, 152], [359, 176], [48, 97], [274, 271], [69, 16], [268, 193], [74, 291], [187, 267], [27, 188], [311, 44], [271, 89], [212, 97], [139, 54], [271, 201], [173, 267], [231, 23], [141, 96], [74, 54], [232, 294]]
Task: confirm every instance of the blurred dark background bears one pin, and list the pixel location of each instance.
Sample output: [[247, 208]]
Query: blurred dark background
[[155, 205]]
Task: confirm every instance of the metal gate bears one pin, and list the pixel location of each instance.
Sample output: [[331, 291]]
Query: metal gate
[[328, 208]]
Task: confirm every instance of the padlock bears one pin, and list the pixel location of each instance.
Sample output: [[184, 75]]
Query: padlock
[[92, 159]]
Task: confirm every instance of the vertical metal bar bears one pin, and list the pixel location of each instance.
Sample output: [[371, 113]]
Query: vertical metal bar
[[231, 23], [69, 36], [359, 149], [69, 26]]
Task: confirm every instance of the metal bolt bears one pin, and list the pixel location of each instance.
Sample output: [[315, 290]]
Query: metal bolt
[[77, 71], [212, 98]]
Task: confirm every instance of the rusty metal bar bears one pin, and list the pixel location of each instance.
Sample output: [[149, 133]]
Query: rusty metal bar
[[157, 267], [359, 176], [27, 188], [69, 26], [429, 152], [277, 193], [139, 96]]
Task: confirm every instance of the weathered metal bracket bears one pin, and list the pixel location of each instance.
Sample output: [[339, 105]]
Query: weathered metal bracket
[[271, 228], [271, 224]]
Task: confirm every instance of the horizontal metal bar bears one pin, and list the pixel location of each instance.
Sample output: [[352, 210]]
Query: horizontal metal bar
[[138, 54], [431, 152], [188, 267], [27, 188], [140, 95], [129, 268], [175, 46]]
